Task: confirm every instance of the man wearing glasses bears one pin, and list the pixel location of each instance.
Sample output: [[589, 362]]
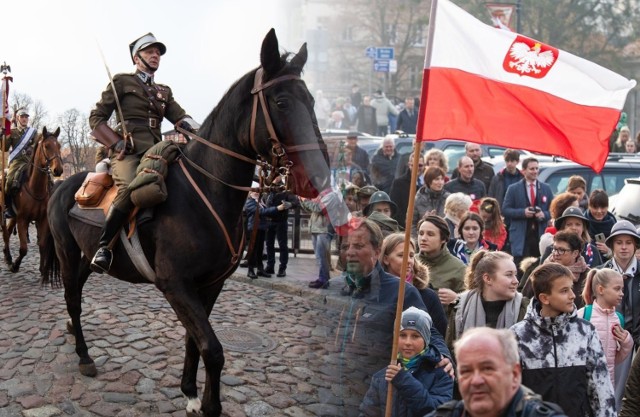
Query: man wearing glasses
[[21, 143]]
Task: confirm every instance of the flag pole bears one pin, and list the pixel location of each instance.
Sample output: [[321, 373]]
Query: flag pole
[[5, 86], [409, 215]]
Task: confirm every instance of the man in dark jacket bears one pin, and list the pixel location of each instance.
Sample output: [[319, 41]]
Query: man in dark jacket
[[383, 165], [408, 118], [277, 227], [490, 379], [465, 183], [481, 170], [367, 117], [510, 174], [359, 156], [399, 193]]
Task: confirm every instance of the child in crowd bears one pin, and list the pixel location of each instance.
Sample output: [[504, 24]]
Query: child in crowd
[[418, 386], [561, 355], [602, 293]]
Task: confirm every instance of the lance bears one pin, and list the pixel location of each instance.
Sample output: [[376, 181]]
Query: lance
[[127, 136], [5, 69]]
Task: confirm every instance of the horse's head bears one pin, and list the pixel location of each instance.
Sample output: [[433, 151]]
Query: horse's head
[[289, 128], [47, 152]]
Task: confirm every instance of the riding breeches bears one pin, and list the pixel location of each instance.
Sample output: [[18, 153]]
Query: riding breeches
[[124, 171], [15, 173]]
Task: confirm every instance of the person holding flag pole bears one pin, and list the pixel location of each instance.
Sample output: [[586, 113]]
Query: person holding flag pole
[[559, 103], [6, 127]]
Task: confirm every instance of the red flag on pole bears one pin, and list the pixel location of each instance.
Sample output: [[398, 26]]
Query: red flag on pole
[[4, 93], [487, 85]]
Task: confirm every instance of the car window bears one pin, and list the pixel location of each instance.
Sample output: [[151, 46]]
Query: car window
[[495, 152], [612, 182], [559, 180], [453, 154]]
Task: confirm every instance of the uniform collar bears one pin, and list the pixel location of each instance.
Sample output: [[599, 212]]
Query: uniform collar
[[145, 77]]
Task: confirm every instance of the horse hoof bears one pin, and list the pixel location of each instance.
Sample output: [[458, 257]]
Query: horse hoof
[[70, 328], [88, 369], [14, 268]]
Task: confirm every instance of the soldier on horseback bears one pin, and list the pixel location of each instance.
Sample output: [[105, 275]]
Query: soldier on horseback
[[141, 106], [21, 143]]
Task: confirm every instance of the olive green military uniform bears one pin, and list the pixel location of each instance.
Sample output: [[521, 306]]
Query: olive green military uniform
[[20, 163], [144, 105]]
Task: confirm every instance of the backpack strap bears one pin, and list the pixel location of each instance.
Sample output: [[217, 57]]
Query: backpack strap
[[587, 312], [621, 318]]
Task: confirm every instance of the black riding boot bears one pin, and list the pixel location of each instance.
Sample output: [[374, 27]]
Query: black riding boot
[[101, 261], [8, 206]]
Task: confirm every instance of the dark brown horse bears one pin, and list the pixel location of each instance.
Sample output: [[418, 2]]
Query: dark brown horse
[[32, 198], [194, 241]]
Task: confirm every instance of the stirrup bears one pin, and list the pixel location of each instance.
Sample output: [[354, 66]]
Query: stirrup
[[99, 267]]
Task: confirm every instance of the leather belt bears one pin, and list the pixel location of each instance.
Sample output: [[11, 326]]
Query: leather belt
[[150, 122]]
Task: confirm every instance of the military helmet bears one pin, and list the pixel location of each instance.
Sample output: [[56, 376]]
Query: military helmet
[[379, 197], [623, 227], [574, 212], [144, 42]]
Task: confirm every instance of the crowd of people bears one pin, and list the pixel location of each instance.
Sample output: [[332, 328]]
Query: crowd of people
[[499, 251]]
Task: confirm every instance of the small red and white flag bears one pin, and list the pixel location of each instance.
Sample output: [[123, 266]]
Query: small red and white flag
[[487, 85], [4, 93]]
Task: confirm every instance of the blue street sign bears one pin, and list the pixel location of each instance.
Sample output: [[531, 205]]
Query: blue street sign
[[385, 53], [381, 65], [370, 52]]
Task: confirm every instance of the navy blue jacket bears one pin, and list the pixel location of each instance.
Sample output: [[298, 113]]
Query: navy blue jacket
[[250, 207], [414, 394]]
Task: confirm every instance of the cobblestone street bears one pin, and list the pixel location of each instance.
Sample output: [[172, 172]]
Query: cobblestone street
[[137, 343]]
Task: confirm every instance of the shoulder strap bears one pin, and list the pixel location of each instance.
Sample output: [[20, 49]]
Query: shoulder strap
[[587, 312], [621, 318]]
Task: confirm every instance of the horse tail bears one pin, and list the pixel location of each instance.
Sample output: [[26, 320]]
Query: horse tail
[[50, 273], [50, 264]]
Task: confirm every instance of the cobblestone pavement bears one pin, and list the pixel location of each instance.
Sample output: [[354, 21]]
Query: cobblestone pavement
[[137, 343]]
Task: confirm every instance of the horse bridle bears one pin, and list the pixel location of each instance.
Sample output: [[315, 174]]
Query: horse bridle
[[280, 164], [45, 170]]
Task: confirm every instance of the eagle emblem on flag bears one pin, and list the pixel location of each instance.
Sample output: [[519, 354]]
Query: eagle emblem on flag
[[529, 57]]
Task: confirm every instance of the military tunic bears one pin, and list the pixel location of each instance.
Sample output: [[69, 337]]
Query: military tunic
[[144, 105], [19, 164]]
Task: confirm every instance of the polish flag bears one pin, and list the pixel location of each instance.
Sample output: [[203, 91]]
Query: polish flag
[[487, 85], [4, 94]]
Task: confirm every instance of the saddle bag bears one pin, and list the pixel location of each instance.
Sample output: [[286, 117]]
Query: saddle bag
[[148, 188], [93, 189]]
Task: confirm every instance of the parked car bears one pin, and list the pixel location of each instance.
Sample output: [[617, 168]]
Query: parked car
[[626, 204], [611, 179]]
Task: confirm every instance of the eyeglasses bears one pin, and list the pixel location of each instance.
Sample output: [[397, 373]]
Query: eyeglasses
[[560, 251]]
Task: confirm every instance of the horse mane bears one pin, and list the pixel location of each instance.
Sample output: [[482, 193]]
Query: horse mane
[[233, 101]]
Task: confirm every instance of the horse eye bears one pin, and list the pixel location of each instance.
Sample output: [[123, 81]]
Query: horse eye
[[282, 103]]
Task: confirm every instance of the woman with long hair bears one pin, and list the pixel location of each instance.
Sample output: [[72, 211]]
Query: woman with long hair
[[494, 228], [491, 298], [417, 274]]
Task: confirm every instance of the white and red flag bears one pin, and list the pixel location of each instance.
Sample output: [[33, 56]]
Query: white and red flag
[[487, 85], [4, 94]]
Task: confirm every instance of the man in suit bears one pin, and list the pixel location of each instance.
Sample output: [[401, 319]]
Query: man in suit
[[408, 118], [526, 208]]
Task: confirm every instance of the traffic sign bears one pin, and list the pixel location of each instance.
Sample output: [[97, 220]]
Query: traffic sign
[[370, 52], [385, 53], [381, 65]]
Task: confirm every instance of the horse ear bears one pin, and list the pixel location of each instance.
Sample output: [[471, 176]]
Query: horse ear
[[270, 55], [57, 132], [300, 58], [44, 132]]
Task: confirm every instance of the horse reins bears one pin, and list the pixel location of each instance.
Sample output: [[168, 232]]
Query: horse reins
[[279, 165], [45, 170]]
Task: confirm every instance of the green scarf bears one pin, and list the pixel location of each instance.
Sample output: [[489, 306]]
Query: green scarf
[[413, 363]]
